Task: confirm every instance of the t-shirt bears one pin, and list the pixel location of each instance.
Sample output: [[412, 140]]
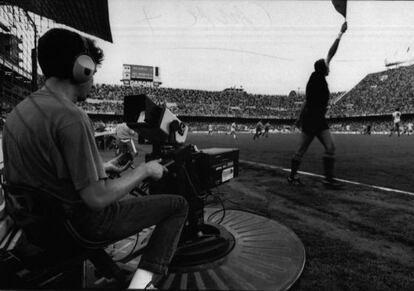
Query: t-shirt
[[124, 132], [49, 143], [317, 96], [397, 116]]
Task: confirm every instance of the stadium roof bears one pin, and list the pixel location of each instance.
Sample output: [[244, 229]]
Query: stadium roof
[[89, 16]]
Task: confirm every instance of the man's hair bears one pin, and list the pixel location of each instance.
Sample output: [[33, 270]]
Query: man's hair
[[58, 49], [320, 66]]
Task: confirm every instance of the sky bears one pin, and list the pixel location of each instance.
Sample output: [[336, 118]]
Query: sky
[[267, 47]]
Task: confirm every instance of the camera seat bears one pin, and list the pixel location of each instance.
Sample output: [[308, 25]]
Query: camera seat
[[54, 244]]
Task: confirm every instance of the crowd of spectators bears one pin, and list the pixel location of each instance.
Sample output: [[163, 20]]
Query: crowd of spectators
[[376, 94], [379, 94], [189, 102], [104, 107]]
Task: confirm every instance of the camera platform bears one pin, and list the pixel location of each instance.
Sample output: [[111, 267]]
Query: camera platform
[[214, 242], [255, 253]]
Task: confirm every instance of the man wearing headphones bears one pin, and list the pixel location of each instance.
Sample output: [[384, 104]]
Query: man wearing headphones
[[49, 144]]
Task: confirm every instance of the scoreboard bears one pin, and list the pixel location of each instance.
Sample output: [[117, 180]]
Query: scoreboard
[[138, 74]]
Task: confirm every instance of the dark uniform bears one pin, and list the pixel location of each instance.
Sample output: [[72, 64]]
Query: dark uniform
[[313, 119]]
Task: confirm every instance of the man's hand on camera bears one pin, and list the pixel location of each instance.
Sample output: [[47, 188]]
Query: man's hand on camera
[[111, 167], [154, 169]]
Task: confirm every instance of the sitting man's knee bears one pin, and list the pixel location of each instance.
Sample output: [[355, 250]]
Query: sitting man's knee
[[181, 204]]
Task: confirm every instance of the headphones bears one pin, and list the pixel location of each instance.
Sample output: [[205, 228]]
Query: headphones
[[83, 66]]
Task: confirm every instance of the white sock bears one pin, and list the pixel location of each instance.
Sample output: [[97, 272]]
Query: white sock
[[141, 279]]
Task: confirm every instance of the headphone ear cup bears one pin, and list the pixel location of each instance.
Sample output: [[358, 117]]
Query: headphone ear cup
[[83, 69]]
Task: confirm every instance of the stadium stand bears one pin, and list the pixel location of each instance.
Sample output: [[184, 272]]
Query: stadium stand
[[188, 102], [372, 101], [379, 94], [107, 99]]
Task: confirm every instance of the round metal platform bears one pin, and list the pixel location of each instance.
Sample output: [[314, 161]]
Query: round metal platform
[[266, 255]]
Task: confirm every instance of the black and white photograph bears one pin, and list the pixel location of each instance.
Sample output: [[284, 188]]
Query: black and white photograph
[[207, 145]]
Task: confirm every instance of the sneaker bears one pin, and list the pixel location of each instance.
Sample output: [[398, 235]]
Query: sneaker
[[295, 181], [332, 183]]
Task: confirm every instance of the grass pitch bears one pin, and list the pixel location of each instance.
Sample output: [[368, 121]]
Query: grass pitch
[[377, 159], [356, 238]]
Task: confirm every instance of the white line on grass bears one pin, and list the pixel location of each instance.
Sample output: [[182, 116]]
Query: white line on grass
[[320, 176]]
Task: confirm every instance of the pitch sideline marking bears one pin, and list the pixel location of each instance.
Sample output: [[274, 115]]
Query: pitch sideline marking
[[320, 176]]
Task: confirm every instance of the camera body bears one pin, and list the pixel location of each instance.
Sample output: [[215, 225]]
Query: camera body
[[167, 133], [155, 123], [210, 167], [192, 173]]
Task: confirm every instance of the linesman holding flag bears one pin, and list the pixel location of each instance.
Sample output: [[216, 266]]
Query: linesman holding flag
[[312, 120]]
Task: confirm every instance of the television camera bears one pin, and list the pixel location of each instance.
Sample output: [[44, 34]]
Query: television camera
[[192, 173]]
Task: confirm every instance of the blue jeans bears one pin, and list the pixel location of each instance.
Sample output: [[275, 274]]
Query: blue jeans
[[129, 216]]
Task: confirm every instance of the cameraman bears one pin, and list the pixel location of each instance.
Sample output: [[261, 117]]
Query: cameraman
[[49, 144]]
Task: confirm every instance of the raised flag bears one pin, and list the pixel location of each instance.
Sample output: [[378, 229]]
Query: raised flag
[[340, 6]]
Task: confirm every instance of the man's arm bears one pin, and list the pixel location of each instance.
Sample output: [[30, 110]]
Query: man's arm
[[101, 193], [112, 166], [334, 47], [83, 162]]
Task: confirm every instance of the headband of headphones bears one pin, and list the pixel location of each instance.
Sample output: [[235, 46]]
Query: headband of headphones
[[83, 66]]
